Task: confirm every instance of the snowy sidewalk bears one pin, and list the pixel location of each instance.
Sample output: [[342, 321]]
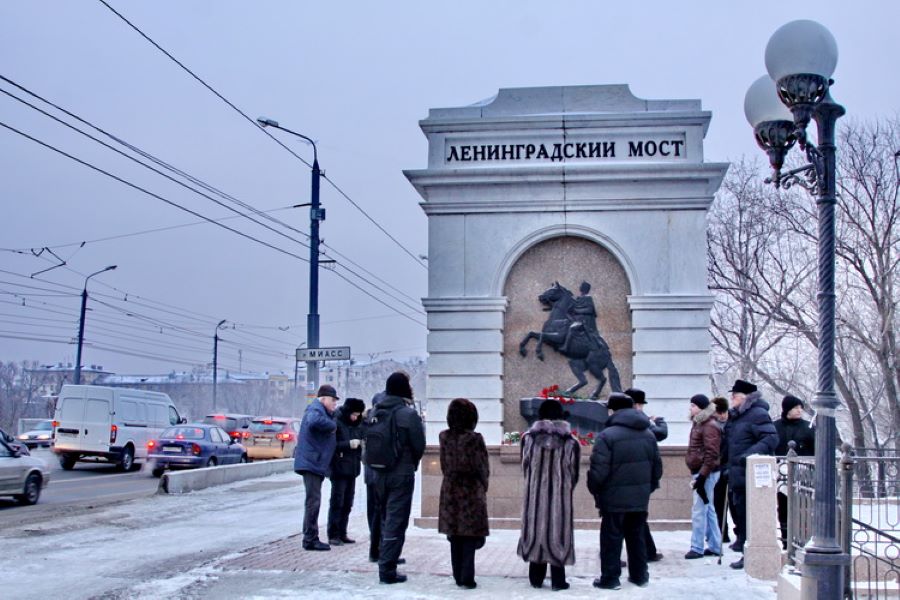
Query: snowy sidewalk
[[499, 571], [282, 569], [242, 541]]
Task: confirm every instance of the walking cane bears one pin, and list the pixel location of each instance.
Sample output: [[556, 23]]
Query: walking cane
[[724, 525]]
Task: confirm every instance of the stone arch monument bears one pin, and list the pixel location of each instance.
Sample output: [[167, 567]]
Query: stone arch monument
[[567, 184]]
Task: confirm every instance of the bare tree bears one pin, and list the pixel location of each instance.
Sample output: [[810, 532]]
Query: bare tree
[[762, 260]]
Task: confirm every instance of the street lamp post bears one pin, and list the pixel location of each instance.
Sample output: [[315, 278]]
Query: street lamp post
[[216, 360], [800, 58], [84, 297], [316, 214]]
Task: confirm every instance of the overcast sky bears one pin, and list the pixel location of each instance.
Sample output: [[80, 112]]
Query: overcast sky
[[354, 76]]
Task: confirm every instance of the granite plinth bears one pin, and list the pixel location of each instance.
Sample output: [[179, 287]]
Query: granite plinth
[[585, 416]]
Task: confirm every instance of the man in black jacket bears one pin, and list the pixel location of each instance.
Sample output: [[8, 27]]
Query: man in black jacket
[[345, 468], [749, 430], [792, 427], [625, 468], [394, 487], [660, 430]]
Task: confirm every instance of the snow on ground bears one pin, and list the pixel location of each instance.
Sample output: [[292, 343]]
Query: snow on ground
[[89, 554], [166, 547]]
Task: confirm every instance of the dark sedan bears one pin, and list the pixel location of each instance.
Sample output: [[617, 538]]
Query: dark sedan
[[193, 446]]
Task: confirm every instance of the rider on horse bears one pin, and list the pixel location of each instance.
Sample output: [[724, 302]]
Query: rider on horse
[[584, 316]]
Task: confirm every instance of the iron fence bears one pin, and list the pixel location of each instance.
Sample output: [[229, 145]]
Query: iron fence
[[868, 517]]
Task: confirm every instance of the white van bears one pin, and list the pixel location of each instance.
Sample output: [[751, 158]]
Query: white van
[[95, 423]]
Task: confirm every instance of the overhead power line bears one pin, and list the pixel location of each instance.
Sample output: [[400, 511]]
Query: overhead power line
[[196, 181], [132, 234], [415, 258], [148, 192]]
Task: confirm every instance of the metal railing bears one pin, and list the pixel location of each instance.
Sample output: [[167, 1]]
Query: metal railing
[[868, 517]]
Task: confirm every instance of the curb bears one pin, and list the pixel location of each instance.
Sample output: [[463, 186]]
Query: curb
[[182, 482]]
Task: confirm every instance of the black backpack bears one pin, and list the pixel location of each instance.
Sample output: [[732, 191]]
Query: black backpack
[[381, 443]]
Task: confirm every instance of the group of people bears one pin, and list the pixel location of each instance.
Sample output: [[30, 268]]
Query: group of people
[[625, 469], [331, 444]]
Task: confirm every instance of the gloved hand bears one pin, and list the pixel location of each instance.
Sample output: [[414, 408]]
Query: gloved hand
[[354, 444], [700, 487]]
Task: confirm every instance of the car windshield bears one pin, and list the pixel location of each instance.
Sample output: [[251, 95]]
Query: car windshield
[[266, 426], [183, 433], [44, 426], [226, 423]]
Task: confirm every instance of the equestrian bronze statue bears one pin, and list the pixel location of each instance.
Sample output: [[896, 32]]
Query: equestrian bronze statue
[[572, 331]]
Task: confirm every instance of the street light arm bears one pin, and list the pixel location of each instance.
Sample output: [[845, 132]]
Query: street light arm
[[266, 122], [109, 268]]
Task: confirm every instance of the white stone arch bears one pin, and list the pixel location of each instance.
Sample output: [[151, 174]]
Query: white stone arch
[[546, 233]]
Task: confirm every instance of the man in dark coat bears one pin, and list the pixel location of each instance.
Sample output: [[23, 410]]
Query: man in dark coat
[[660, 430], [625, 468], [792, 427], [394, 487], [312, 459], [463, 515], [345, 467], [749, 430], [373, 511]]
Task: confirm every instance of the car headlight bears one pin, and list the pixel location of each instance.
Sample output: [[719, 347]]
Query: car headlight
[[44, 436], [22, 436]]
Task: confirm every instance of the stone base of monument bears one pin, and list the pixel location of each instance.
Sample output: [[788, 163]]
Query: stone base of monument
[[670, 505], [585, 416]]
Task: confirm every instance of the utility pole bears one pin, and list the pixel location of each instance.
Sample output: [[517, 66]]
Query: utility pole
[[84, 297], [316, 214], [216, 360]]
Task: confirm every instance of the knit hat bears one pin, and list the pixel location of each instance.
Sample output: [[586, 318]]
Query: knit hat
[[552, 410], [700, 401], [618, 401], [327, 391], [398, 385], [742, 387], [788, 404], [637, 395], [354, 405]]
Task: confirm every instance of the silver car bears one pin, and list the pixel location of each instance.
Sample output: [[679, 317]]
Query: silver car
[[22, 477], [40, 435]]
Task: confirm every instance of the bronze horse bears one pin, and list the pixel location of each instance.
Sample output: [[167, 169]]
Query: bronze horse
[[584, 352]]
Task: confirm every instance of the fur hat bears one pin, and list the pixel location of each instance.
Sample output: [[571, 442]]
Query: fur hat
[[327, 391], [788, 404], [721, 404], [552, 410], [637, 395], [462, 414], [354, 405], [618, 401], [700, 401], [742, 387], [398, 385]]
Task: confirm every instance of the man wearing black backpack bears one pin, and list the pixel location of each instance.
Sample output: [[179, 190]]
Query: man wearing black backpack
[[394, 444]]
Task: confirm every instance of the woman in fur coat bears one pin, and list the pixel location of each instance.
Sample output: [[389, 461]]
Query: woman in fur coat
[[462, 515], [550, 462]]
